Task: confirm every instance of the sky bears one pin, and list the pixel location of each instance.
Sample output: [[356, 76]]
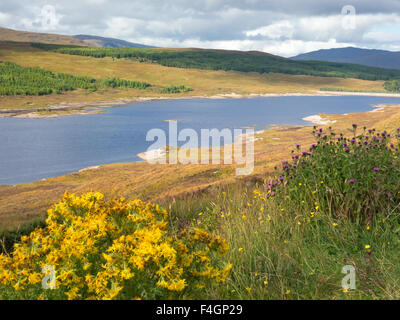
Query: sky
[[282, 27]]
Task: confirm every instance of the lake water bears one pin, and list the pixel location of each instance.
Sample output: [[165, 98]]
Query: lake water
[[33, 149]]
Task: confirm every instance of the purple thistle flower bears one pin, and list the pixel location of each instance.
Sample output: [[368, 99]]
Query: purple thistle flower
[[347, 150], [376, 169], [351, 181]]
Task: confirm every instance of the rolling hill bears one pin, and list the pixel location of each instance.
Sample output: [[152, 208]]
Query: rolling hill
[[78, 40], [96, 41], [230, 61], [25, 36], [367, 57]]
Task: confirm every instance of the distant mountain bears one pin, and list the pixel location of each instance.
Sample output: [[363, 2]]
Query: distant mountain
[[96, 41], [367, 57], [25, 36]]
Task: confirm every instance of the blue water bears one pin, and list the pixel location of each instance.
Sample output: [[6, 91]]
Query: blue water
[[33, 149]]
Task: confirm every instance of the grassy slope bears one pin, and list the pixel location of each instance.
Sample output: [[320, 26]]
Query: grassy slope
[[204, 82], [25, 36], [24, 203], [266, 265], [131, 180]]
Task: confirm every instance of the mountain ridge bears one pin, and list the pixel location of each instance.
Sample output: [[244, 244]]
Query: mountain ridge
[[105, 42], [367, 57]]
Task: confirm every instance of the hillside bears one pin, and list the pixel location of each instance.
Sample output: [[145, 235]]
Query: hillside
[[231, 60], [96, 41], [203, 82], [367, 57], [25, 36]]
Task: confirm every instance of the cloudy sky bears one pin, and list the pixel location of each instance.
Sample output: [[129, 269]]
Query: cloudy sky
[[283, 27]]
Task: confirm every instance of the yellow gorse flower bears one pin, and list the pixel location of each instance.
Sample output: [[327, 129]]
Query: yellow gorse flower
[[100, 248]]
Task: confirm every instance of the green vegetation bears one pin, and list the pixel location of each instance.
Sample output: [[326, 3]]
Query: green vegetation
[[121, 83], [176, 89], [349, 90], [17, 80], [226, 60], [334, 204], [392, 86], [9, 237]]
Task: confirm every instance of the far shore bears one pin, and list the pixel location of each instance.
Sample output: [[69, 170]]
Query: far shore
[[68, 109]]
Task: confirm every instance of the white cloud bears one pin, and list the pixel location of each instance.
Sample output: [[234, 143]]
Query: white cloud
[[281, 29], [5, 18]]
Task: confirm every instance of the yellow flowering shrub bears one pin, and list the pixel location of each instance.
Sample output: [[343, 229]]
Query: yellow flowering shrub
[[111, 250]]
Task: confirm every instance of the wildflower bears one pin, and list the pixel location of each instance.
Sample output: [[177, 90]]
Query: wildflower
[[248, 289], [287, 291], [367, 246], [368, 227], [244, 217], [345, 290], [351, 181], [137, 237], [240, 249], [265, 283], [335, 224], [376, 169]]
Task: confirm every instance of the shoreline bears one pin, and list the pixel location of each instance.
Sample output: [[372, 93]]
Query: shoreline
[[84, 108], [155, 154]]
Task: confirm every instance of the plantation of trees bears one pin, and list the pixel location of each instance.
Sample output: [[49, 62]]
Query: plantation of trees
[[17, 80], [176, 89], [237, 61], [121, 83], [392, 86]]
